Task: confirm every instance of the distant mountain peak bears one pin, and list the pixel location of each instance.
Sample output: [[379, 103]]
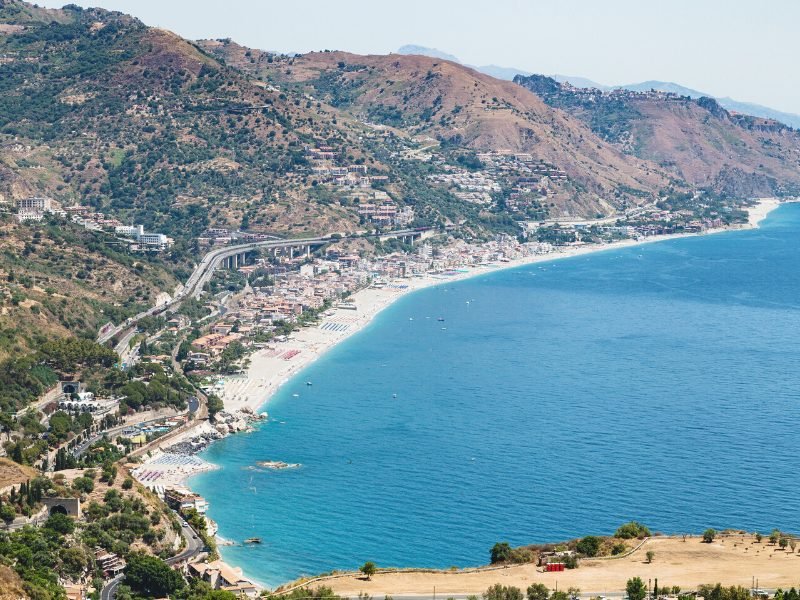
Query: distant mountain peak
[[425, 51]]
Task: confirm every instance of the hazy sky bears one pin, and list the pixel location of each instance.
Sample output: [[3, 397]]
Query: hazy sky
[[745, 49]]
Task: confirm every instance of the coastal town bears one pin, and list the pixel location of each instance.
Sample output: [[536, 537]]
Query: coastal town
[[266, 314], [305, 314], [273, 314]]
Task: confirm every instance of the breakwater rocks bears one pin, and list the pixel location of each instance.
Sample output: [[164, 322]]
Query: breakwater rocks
[[195, 444], [227, 422]]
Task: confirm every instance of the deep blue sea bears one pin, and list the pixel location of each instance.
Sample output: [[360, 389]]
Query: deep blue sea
[[659, 383]]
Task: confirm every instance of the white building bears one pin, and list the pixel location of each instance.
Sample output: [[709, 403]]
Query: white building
[[129, 230], [35, 205], [145, 240]]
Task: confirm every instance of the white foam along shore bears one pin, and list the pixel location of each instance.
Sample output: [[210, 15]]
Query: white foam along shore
[[270, 368]]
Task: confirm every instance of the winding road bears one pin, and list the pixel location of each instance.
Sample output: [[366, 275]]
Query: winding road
[[211, 260], [194, 545]]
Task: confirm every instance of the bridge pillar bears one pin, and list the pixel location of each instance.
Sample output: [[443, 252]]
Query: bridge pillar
[[308, 251], [291, 252]]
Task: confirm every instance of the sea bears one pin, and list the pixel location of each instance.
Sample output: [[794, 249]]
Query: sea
[[658, 383]]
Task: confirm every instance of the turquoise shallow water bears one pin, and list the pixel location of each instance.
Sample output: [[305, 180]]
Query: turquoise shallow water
[[657, 383]]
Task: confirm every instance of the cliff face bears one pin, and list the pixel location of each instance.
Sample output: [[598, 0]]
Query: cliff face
[[695, 139]]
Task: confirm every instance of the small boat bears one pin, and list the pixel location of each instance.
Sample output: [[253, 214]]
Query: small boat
[[309, 383], [253, 540], [440, 319], [394, 395]]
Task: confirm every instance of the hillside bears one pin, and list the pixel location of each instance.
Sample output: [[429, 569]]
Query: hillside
[[696, 139], [500, 72], [734, 106], [98, 109], [60, 279], [429, 97]]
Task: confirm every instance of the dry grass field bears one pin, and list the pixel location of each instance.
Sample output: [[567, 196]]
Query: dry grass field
[[732, 559]]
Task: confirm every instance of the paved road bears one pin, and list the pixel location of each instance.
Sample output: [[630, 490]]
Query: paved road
[[109, 590], [194, 546], [202, 273], [211, 260]]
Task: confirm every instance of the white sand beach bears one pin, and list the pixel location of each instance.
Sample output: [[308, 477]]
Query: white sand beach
[[165, 468], [760, 211], [168, 470], [270, 368]]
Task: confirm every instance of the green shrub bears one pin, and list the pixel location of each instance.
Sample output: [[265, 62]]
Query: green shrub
[[589, 546], [631, 530]]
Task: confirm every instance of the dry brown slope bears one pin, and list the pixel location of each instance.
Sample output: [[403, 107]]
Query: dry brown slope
[[695, 139], [11, 587], [12, 473], [141, 123], [57, 280], [739, 156], [459, 105]]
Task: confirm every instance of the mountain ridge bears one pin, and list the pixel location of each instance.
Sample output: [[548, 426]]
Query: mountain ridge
[[697, 140], [749, 108]]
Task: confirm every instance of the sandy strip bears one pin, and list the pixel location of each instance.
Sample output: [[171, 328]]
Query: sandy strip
[[760, 211], [269, 369]]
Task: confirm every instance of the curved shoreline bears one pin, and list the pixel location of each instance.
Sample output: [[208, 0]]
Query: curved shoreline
[[268, 372]]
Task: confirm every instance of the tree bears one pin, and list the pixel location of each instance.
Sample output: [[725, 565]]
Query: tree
[[7, 513], [636, 589], [368, 569], [650, 556], [573, 592], [83, 484], [589, 546], [75, 561], [214, 405], [717, 592], [709, 535], [633, 529], [501, 552], [538, 591], [783, 542], [759, 537], [151, 577], [501, 592], [60, 523], [773, 537]]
